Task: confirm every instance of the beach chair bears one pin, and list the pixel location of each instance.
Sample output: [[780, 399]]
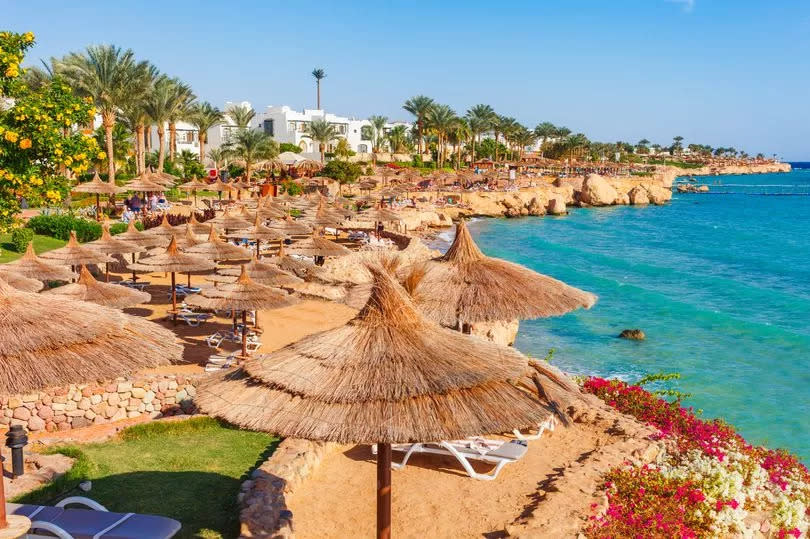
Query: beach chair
[[138, 285], [191, 318], [217, 362], [182, 290], [548, 424], [213, 341], [94, 521], [497, 452]]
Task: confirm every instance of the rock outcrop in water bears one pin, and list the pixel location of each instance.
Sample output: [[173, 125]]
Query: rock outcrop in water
[[632, 334], [596, 191]]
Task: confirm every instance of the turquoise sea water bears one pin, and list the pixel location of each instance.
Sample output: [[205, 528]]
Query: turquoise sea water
[[720, 283]]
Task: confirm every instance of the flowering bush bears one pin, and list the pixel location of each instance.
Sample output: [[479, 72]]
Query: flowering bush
[[39, 142], [707, 482]]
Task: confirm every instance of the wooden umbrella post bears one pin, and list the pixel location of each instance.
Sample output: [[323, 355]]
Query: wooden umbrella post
[[98, 207], [174, 300], [107, 272], [189, 279], [258, 254], [3, 519], [244, 333], [383, 491]]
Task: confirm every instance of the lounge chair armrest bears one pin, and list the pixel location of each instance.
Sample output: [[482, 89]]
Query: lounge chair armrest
[[50, 527], [81, 500]]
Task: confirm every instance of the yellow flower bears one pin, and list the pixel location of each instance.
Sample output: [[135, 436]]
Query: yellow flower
[[11, 137], [25, 143], [28, 37], [101, 156], [12, 70]]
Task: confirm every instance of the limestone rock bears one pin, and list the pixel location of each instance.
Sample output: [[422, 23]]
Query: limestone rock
[[503, 333], [633, 334], [638, 196], [596, 191], [556, 205]]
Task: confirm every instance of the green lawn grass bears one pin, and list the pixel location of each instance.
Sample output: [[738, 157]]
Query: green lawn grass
[[41, 244], [188, 470]]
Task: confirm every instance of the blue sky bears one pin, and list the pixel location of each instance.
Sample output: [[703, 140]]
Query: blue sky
[[720, 72]]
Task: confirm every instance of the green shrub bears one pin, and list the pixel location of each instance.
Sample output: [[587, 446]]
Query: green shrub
[[117, 228], [59, 226], [20, 238]]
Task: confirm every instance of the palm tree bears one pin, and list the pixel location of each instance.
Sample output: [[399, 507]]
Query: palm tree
[[509, 127], [132, 113], [251, 145], [677, 145], [441, 119], [322, 132], [122, 142], [480, 118], [180, 103], [419, 106], [575, 143], [544, 131], [36, 77], [319, 75], [523, 138], [240, 115], [103, 72], [398, 139], [158, 108], [218, 156], [204, 116], [459, 134], [377, 132], [561, 132]]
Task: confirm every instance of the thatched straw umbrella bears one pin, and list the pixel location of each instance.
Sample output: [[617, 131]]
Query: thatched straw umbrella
[[188, 239], [229, 221], [318, 248], [218, 250], [243, 295], [193, 186], [98, 187], [464, 286], [19, 282], [198, 227], [75, 255], [113, 246], [264, 273], [143, 185], [147, 241], [259, 232], [387, 376], [220, 187], [33, 267], [301, 268], [164, 229], [308, 166], [87, 288], [289, 226], [173, 261]]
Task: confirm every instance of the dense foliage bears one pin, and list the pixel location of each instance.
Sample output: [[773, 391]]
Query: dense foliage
[[708, 482], [342, 171], [39, 142], [59, 226], [20, 238]]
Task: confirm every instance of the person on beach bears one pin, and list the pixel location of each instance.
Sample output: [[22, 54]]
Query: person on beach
[[135, 203]]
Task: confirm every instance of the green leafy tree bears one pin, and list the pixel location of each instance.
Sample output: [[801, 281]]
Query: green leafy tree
[[39, 145], [250, 146], [343, 150], [104, 73], [420, 107], [190, 163], [342, 171], [204, 116], [480, 118], [322, 132]]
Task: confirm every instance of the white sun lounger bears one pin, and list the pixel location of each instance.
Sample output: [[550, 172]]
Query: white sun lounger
[[548, 424], [498, 452], [191, 318], [91, 522]]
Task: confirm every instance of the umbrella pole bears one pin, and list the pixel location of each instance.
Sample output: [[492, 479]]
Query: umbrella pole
[[134, 277], [98, 207], [107, 272], [3, 520], [233, 313], [174, 300], [189, 279], [383, 491], [244, 333]]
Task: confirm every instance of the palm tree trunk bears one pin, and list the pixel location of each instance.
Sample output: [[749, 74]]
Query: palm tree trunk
[[318, 84], [172, 140], [323, 151], [203, 136], [248, 171], [108, 119], [496, 146], [137, 152], [140, 134], [162, 147], [419, 137]]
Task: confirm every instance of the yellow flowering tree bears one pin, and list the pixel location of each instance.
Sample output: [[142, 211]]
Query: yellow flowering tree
[[39, 138]]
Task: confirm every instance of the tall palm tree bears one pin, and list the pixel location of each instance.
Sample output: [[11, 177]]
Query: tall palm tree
[[204, 116], [544, 131], [319, 75], [322, 132], [36, 77], [441, 120], [480, 118], [218, 156], [103, 72], [523, 137], [509, 127], [158, 108], [180, 103], [377, 132], [251, 145], [132, 112], [419, 106], [398, 139], [240, 115], [459, 134]]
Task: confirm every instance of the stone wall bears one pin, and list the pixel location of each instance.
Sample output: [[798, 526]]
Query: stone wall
[[80, 405], [264, 509]]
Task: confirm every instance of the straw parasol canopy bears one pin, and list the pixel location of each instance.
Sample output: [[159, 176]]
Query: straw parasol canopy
[[219, 186], [216, 249], [243, 295], [173, 261], [189, 239], [318, 247], [165, 228], [381, 215], [259, 232], [19, 282], [193, 185], [74, 254], [464, 286], [387, 376], [290, 227], [196, 226], [113, 246], [90, 341], [98, 187], [308, 165], [144, 239], [229, 221], [143, 184], [264, 273], [33, 267], [299, 267], [87, 288]]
